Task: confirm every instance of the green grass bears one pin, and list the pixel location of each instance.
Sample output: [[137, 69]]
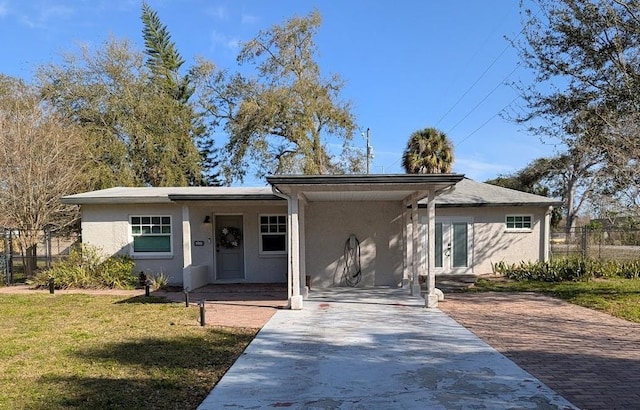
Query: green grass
[[106, 352], [617, 297]]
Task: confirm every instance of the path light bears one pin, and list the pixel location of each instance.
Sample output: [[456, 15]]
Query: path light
[[51, 288], [186, 297], [201, 305]]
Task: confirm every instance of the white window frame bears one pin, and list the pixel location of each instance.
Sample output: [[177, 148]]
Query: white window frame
[[142, 255], [260, 234], [523, 222]]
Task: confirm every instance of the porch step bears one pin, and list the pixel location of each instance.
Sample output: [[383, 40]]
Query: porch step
[[455, 283]]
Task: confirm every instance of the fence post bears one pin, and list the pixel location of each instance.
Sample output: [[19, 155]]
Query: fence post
[[8, 246], [47, 238], [585, 241]]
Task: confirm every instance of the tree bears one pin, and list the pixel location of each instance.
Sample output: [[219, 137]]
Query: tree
[[586, 58], [572, 177], [428, 151], [164, 62], [43, 159], [163, 59], [137, 134], [280, 121]]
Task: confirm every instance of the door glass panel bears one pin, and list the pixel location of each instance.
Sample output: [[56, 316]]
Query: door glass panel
[[438, 245], [460, 245]]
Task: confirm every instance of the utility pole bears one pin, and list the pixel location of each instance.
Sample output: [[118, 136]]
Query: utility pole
[[368, 151]]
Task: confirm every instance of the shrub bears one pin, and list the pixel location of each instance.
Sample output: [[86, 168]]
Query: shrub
[[87, 268], [159, 281], [568, 269]]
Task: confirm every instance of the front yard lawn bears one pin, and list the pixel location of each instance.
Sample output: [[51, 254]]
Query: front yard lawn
[[617, 297], [109, 352]]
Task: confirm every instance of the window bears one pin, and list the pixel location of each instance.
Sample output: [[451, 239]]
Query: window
[[273, 234], [151, 234], [519, 222]]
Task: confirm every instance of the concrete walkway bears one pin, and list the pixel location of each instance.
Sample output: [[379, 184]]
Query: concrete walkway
[[374, 349]]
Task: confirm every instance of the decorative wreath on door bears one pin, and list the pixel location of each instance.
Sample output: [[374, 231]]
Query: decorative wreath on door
[[230, 237]]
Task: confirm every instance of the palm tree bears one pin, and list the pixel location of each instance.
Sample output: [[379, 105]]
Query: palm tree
[[429, 151]]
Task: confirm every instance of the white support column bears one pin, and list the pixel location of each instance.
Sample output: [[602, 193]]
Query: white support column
[[431, 298], [186, 249], [406, 271], [295, 298], [546, 234], [304, 289], [415, 240]]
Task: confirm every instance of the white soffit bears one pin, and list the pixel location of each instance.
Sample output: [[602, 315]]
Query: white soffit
[[351, 196]]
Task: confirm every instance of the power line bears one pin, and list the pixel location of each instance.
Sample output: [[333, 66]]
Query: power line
[[486, 122], [495, 60], [485, 98]]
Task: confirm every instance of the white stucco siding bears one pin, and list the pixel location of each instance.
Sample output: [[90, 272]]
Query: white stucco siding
[[493, 243], [378, 227], [258, 268], [107, 228]]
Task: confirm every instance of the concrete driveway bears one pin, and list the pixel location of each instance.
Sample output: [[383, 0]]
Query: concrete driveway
[[374, 349]]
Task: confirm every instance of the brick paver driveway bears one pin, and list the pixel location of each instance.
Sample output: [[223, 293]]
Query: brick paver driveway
[[590, 358]]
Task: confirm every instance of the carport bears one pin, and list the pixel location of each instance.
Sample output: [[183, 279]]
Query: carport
[[406, 236]]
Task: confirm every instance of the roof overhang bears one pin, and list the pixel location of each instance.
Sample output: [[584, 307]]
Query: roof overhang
[[340, 188], [222, 197], [168, 195], [554, 204]]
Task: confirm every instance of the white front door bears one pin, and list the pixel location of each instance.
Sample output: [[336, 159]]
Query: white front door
[[229, 243], [453, 246]]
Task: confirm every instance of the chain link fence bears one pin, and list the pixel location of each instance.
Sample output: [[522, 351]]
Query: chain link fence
[[52, 245], [602, 243]]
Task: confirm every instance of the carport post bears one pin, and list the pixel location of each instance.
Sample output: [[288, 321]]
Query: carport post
[[295, 300], [415, 283], [431, 298]]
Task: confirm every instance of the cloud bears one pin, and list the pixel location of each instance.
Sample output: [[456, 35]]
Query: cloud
[[4, 10], [226, 42], [249, 19], [220, 12], [44, 13], [480, 170]]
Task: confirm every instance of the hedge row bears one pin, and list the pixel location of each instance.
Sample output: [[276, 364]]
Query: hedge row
[[569, 269]]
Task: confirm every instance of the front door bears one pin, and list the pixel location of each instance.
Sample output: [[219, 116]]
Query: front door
[[229, 243], [453, 246]]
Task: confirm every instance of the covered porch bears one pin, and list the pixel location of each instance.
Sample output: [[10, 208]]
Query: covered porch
[[380, 210]]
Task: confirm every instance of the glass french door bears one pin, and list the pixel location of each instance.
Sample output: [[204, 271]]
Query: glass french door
[[453, 242]]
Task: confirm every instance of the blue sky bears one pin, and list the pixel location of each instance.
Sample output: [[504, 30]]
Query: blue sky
[[407, 65]]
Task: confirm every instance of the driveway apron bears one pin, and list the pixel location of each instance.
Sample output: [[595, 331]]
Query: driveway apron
[[374, 349]]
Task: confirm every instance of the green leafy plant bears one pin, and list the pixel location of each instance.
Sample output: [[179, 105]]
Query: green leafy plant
[[159, 281], [568, 269], [86, 267]]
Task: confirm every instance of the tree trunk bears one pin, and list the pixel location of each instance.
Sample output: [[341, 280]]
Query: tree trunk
[[30, 260]]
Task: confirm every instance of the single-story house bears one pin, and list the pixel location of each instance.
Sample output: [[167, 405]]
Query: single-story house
[[320, 230]]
